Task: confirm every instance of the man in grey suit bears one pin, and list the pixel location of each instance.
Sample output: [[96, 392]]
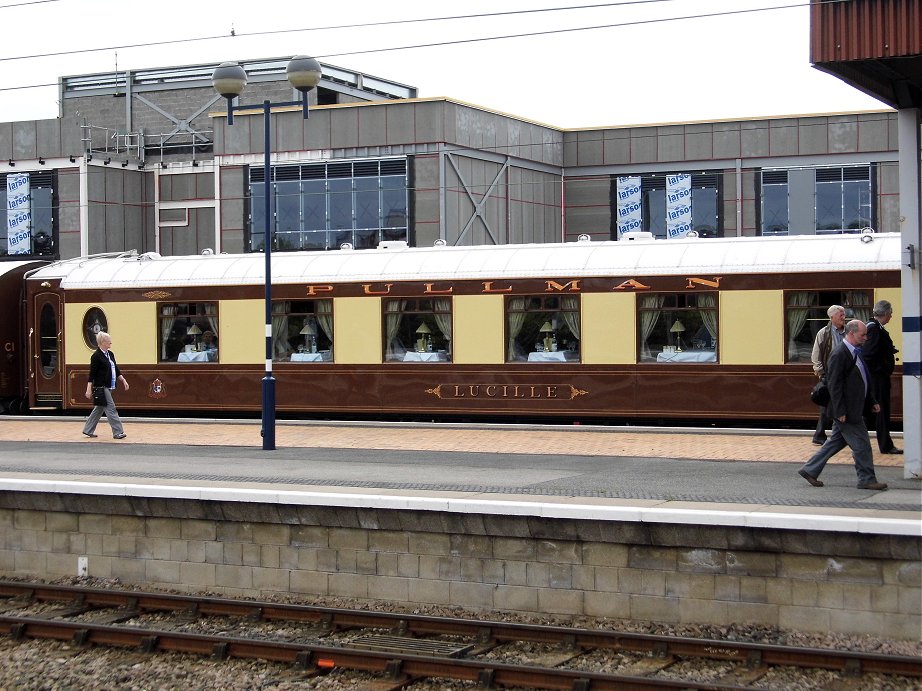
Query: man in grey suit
[[850, 398]]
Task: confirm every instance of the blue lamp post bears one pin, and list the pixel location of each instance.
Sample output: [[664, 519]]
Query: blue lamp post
[[229, 80]]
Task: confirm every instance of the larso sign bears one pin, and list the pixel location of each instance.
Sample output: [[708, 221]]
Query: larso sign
[[18, 214]]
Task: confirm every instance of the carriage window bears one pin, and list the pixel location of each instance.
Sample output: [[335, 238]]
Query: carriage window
[[94, 321], [805, 314], [302, 330], [417, 330], [542, 328], [188, 332], [678, 327]]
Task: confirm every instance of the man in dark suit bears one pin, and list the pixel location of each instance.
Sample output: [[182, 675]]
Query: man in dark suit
[[879, 355], [850, 398]]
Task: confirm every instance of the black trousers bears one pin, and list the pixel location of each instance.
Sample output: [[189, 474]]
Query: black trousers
[[880, 422], [824, 423]]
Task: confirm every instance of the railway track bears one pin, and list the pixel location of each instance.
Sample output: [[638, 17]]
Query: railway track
[[401, 649]]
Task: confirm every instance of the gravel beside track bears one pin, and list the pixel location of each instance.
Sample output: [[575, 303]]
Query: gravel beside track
[[32, 664]]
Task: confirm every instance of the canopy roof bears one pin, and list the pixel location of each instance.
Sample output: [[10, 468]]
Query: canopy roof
[[716, 256]]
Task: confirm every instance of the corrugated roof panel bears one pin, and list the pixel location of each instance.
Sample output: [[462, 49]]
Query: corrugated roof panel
[[714, 256], [865, 29]]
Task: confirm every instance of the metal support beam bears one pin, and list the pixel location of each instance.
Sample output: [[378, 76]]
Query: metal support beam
[[910, 217]]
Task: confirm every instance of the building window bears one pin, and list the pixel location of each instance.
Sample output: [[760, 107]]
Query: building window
[[774, 210], [417, 330], [302, 330], [188, 332], [705, 196], [844, 199], [321, 206], [677, 327], [805, 315], [43, 223], [542, 328]]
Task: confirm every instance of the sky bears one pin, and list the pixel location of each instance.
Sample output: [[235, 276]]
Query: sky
[[584, 65]]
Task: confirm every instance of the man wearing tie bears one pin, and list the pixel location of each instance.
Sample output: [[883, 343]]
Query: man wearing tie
[[850, 398]]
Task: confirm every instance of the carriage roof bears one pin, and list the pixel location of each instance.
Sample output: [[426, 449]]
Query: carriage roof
[[692, 256]]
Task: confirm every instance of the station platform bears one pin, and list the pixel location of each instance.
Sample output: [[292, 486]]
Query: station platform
[[674, 475]]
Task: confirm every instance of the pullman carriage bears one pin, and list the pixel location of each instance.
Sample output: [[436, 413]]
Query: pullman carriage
[[697, 329]]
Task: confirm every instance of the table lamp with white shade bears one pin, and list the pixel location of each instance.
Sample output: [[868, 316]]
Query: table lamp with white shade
[[423, 333], [548, 332], [678, 328], [310, 337], [195, 332]]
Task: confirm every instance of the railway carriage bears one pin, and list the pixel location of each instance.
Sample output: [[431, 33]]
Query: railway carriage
[[13, 366], [696, 329]]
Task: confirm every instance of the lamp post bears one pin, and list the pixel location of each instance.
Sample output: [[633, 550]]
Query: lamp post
[[229, 80]]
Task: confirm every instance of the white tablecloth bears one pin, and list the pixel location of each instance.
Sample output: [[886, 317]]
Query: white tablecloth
[[552, 356], [200, 356], [413, 356], [307, 357], [688, 356]]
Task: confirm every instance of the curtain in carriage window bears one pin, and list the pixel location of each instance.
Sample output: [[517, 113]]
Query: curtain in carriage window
[[417, 330], [300, 327]]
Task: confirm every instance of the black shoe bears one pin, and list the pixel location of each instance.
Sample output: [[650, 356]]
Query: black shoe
[[90, 435], [819, 442], [874, 485], [809, 478], [894, 450], [119, 436]]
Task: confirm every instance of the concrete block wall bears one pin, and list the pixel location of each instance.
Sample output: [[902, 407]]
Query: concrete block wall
[[848, 583]]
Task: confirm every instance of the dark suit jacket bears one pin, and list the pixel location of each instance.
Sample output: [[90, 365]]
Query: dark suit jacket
[[846, 387], [100, 373], [879, 351]]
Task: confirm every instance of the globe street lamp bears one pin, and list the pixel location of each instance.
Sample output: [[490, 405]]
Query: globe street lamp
[[229, 80]]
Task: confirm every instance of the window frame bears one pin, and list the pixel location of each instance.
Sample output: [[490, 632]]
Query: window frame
[[324, 341], [178, 336], [540, 310], [681, 342], [846, 178], [42, 184], [653, 202], [417, 309], [343, 193], [816, 304]]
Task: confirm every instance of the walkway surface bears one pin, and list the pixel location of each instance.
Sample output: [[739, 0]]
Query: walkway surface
[[741, 475], [742, 445]]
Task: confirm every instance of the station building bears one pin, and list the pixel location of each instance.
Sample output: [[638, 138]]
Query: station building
[[146, 160]]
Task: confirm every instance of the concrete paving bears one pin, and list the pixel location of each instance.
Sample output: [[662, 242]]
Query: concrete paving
[[597, 463]]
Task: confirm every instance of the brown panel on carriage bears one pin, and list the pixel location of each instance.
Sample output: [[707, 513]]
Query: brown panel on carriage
[[564, 392]]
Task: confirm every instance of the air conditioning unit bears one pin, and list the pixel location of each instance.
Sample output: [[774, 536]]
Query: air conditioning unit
[[392, 245], [637, 235]]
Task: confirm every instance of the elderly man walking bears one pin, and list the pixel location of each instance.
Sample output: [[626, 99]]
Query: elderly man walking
[[850, 398], [827, 340]]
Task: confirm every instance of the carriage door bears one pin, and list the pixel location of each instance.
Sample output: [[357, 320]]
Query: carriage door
[[46, 375]]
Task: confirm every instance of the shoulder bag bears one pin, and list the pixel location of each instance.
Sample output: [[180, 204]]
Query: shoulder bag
[[820, 393], [99, 395]]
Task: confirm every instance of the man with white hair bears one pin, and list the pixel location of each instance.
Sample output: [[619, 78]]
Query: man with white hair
[[827, 340]]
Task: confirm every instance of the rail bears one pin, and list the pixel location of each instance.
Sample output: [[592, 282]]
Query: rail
[[417, 646]]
